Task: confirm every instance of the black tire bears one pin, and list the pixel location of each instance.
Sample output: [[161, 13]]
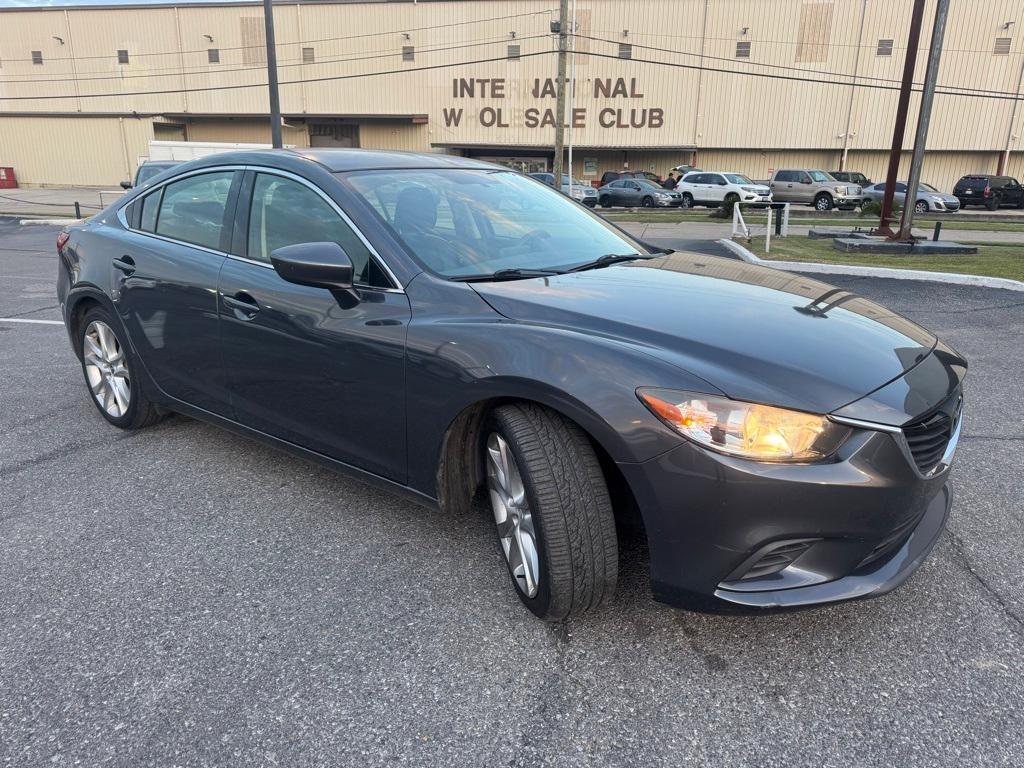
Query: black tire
[[570, 506], [687, 200], [731, 198], [605, 202], [647, 202], [140, 412], [823, 202], [992, 203], [921, 207]]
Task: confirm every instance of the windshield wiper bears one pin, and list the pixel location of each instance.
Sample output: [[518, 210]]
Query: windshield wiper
[[606, 260], [513, 273]]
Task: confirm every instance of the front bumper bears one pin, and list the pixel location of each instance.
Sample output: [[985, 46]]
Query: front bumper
[[849, 202], [860, 525], [674, 202]]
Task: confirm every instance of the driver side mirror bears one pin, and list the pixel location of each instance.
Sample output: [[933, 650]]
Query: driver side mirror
[[126, 185], [319, 265]]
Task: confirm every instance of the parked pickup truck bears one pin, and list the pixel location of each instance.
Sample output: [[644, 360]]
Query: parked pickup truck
[[808, 186]]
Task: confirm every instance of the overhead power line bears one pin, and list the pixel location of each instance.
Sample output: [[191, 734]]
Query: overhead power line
[[263, 84], [1001, 95], [751, 63], [261, 67], [306, 42]]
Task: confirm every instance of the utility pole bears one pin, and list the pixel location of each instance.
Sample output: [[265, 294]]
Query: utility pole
[[572, 89], [563, 25], [902, 107], [275, 97], [931, 75]]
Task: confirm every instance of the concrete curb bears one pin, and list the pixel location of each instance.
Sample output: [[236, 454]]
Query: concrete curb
[[51, 222], [978, 281]]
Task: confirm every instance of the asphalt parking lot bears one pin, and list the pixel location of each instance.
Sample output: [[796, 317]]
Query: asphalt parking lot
[[183, 596]]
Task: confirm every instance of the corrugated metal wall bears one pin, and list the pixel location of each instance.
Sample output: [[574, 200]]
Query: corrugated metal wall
[[669, 96], [75, 152]]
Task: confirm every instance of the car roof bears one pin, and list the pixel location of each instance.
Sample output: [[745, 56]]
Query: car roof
[[340, 160]]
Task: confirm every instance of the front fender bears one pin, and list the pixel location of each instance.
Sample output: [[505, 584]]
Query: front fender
[[469, 354]]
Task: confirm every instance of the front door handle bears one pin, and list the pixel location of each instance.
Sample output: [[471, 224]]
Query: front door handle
[[125, 264], [244, 305]]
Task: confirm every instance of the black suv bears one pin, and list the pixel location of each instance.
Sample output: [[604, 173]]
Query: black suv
[[990, 191]]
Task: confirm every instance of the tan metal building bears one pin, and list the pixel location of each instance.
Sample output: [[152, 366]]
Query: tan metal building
[[743, 85]]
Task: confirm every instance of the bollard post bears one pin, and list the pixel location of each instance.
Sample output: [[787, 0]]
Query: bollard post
[[938, 229], [78, 210], [778, 221]]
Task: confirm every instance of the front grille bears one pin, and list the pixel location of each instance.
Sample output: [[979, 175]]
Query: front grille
[[777, 558], [927, 438]]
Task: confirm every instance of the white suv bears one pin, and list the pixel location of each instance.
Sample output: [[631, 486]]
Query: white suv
[[713, 189]]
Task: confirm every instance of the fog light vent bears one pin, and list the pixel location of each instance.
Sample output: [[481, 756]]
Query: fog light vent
[[776, 558]]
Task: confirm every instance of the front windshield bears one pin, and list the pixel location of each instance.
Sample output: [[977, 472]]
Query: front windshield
[[737, 178], [461, 222], [821, 176], [928, 187]]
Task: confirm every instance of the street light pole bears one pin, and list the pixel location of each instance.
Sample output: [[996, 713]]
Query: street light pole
[[275, 98], [931, 75]]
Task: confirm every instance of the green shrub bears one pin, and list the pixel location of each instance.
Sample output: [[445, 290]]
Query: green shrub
[[724, 211], [874, 208]]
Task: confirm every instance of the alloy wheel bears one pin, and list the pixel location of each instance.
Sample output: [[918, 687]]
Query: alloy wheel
[[512, 515], [106, 369]]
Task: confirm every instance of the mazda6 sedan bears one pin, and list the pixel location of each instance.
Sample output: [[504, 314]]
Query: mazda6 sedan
[[450, 329]]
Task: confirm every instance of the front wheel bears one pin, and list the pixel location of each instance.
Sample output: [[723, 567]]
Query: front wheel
[[731, 199], [921, 207], [605, 202], [823, 202], [551, 510], [992, 203]]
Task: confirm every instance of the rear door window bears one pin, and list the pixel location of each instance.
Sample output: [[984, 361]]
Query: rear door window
[[150, 206], [193, 210]]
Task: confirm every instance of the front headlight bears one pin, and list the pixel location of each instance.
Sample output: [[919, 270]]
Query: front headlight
[[749, 430], [936, 199], [754, 190], [840, 190]]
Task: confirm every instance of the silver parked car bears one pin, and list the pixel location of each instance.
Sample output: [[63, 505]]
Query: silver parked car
[[928, 197], [581, 192], [638, 193]]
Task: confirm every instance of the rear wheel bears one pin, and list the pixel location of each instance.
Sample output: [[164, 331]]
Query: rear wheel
[[110, 373], [992, 203], [551, 510], [921, 207], [823, 202]]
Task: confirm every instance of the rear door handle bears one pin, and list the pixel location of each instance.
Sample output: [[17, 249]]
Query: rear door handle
[[244, 305], [125, 264]]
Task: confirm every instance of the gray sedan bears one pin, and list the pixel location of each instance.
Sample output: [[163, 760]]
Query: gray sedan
[[637, 193], [929, 199]]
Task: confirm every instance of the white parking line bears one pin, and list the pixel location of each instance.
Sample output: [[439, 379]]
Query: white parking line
[[27, 320]]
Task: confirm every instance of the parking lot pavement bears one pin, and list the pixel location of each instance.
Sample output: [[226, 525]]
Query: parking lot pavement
[[183, 596]]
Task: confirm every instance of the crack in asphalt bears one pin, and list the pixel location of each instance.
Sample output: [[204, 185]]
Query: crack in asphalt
[[965, 562], [993, 437], [974, 309], [29, 312], [15, 468]]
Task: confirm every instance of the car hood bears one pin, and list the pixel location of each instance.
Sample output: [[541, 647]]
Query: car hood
[[754, 333]]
